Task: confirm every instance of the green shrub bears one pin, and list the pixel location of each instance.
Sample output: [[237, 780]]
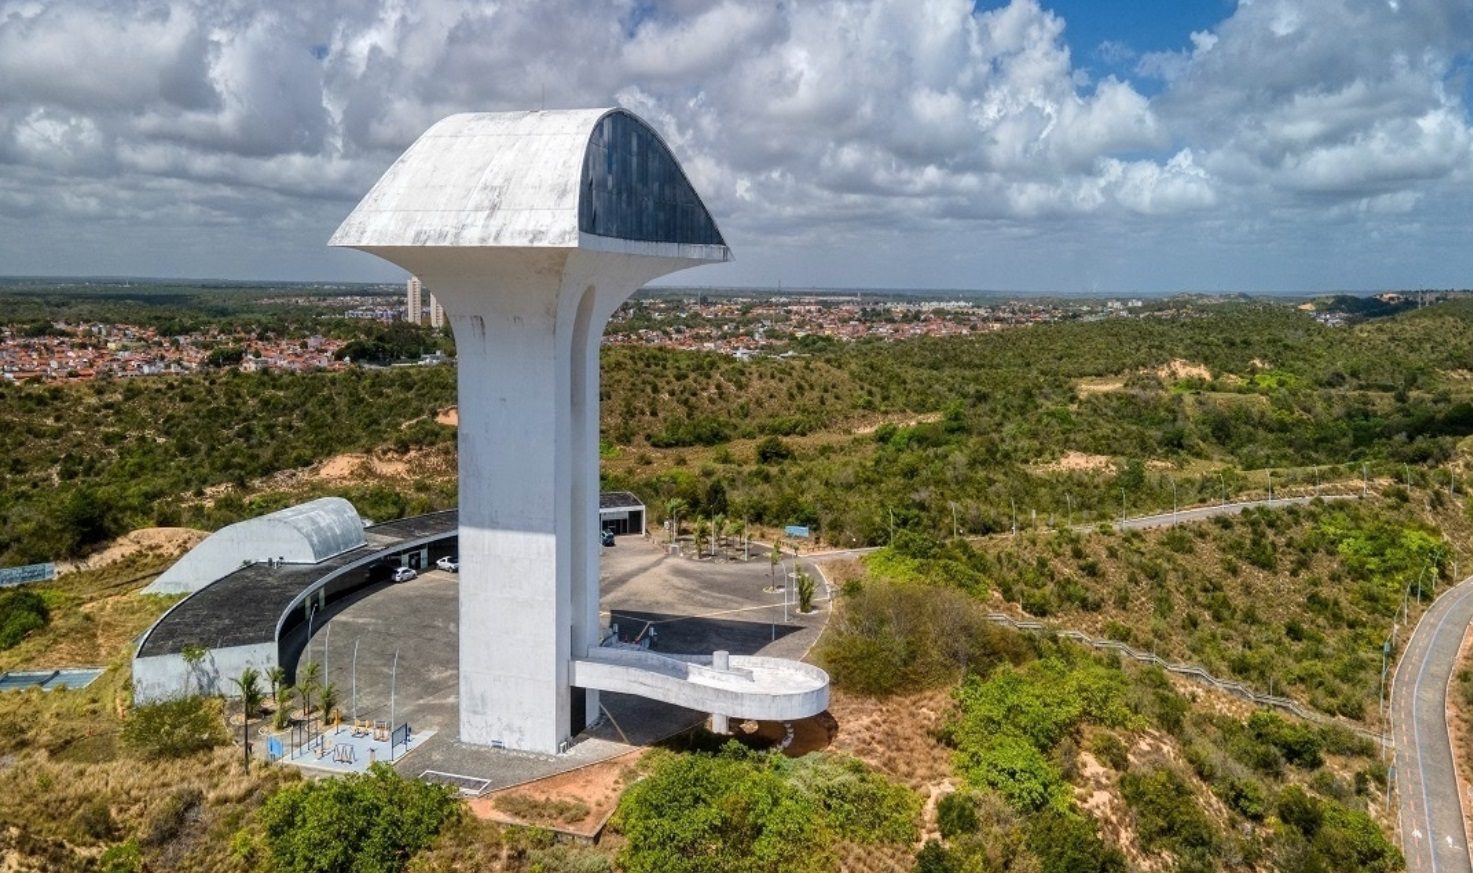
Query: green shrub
[[122, 858], [1066, 842], [1167, 815], [174, 728], [1014, 768], [934, 858], [371, 822], [956, 815], [1300, 744], [21, 612], [1111, 750]]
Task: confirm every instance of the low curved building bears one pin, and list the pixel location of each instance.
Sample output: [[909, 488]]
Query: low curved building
[[309, 533]]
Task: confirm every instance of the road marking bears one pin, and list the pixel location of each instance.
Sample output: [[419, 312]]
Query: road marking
[[1417, 725]]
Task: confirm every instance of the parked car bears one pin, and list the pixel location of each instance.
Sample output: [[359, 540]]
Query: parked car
[[449, 564], [404, 574], [608, 536]]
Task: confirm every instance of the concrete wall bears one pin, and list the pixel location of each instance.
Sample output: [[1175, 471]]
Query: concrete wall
[[163, 677]]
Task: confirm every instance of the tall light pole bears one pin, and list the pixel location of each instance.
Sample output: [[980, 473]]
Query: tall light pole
[[1069, 502], [355, 681], [954, 529], [1014, 504], [1173, 501], [393, 681]]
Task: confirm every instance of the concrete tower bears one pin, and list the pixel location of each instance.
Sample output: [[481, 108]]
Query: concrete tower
[[437, 313], [532, 227], [412, 306]]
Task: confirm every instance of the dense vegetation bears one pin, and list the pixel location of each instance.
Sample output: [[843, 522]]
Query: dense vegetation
[[371, 822], [737, 810], [1289, 401], [87, 462], [1298, 599]]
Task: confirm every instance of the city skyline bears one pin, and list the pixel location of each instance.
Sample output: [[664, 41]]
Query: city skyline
[[1062, 147]]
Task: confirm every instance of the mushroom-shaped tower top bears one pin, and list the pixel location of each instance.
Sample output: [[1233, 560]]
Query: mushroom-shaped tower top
[[596, 179]]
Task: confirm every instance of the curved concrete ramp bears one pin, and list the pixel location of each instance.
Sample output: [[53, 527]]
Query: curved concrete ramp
[[766, 689]]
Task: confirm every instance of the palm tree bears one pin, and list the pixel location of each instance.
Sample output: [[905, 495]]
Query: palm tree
[[249, 684], [734, 529], [673, 509], [702, 529], [277, 677], [805, 592], [308, 683], [282, 718], [328, 698], [250, 701]]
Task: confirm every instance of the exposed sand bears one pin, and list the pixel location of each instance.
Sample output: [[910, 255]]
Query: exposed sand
[[449, 417], [1078, 461], [912, 421], [1181, 369], [1099, 386], [163, 541]]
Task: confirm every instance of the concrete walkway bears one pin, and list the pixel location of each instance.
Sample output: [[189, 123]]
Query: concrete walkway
[[1431, 815]]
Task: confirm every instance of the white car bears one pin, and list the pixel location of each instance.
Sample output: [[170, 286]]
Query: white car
[[449, 564], [404, 574]]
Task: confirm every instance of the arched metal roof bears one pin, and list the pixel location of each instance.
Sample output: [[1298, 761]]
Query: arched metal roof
[[308, 533], [588, 178]]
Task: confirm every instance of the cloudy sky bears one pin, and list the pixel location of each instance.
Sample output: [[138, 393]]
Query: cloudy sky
[[1075, 145]]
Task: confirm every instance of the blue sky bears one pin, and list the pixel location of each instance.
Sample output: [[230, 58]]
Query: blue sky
[[1291, 145]]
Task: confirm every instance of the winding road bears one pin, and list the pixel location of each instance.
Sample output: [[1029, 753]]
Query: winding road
[[1431, 816]]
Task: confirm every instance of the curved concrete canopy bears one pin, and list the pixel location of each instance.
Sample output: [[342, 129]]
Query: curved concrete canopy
[[308, 533], [596, 179]]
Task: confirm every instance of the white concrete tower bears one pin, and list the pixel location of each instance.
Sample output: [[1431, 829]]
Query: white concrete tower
[[437, 312], [531, 227], [412, 305]]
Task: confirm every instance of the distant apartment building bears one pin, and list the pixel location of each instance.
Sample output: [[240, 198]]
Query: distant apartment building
[[437, 313], [412, 305]]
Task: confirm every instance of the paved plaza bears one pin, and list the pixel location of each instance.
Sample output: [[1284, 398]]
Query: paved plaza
[[391, 656]]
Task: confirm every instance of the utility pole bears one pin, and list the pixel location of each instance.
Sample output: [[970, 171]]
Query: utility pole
[[1122, 503], [892, 527], [1365, 480], [954, 529], [1069, 501], [1014, 504], [1173, 501]]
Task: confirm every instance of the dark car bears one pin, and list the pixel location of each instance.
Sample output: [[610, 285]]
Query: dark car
[[608, 536]]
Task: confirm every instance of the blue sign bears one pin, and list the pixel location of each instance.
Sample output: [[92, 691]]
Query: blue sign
[[796, 530], [29, 573], [273, 748]]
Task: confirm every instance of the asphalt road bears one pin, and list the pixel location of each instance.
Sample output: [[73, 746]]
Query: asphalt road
[[1432, 832]]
